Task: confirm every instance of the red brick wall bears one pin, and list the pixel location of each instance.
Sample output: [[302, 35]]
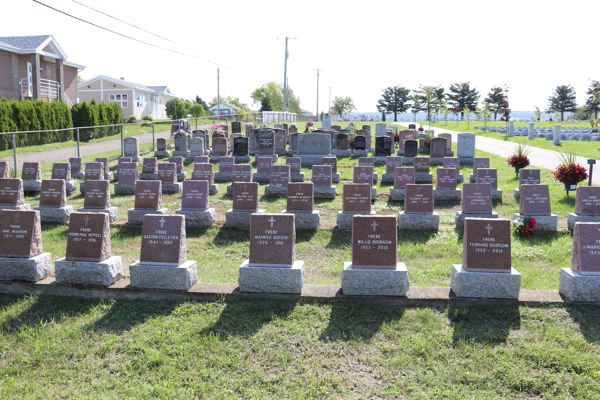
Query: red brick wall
[[71, 83], [6, 82]]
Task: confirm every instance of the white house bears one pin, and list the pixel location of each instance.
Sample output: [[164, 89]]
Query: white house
[[223, 109], [134, 98]]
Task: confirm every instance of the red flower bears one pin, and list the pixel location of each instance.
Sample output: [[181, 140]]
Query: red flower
[[525, 231]]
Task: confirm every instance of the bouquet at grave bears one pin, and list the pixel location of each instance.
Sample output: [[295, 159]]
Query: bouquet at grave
[[249, 126], [352, 143], [217, 129], [569, 172], [179, 133], [396, 139], [519, 159], [525, 226], [421, 129]]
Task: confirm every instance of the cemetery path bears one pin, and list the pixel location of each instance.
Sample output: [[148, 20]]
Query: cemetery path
[[538, 157]]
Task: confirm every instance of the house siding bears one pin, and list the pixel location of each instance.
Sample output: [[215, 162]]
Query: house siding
[[71, 83], [6, 75], [87, 97]]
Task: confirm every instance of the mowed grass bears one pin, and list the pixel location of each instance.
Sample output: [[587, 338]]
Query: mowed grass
[[428, 256], [580, 148], [68, 348]]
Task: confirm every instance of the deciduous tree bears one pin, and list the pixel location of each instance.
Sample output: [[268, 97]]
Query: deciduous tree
[[563, 100], [342, 105], [273, 93]]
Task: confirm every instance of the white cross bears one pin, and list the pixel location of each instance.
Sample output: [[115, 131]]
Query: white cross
[[374, 225], [245, 188], [489, 229], [86, 219], [272, 221], [162, 222], [17, 216]]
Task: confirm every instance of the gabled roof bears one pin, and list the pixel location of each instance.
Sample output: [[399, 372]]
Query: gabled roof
[[133, 85], [158, 88], [35, 44], [25, 42], [227, 105]]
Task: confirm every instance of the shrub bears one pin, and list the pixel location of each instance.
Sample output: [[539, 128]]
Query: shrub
[[132, 119], [147, 118]]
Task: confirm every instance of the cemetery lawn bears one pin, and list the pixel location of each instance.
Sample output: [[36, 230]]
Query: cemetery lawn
[[580, 148], [60, 347]]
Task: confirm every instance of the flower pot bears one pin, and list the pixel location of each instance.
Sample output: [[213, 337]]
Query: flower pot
[[570, 186], [517, 169]]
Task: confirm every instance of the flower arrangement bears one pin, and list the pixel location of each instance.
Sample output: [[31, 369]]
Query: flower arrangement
[[309, 123], [421, 129], [249, 126], [525, 226], [519, 159], [217, 128], [569, 172], [397, 138]]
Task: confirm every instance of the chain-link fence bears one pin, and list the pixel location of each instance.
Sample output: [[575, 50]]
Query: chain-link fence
[[51, 146]]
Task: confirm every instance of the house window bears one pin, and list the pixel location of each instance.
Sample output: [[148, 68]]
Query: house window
[[141, 99], [119, 98]]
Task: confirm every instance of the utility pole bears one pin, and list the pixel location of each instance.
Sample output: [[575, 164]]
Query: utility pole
[[285, 87], [218, 94], [318, 70], [329, 98]]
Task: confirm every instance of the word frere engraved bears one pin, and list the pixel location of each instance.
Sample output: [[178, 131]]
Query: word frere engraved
[[488, 244], [161, 236], [270, 236]]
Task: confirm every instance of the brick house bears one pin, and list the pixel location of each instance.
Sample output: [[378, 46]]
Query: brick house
[[35, 67], [134, 98]]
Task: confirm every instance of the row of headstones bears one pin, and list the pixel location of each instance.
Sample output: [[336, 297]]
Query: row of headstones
[[272, 266], [556, 134]]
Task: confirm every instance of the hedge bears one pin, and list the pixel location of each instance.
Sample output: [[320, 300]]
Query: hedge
[[92, 114]]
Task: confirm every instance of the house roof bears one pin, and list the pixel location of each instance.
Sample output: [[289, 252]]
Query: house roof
[[133, 85], [158, 88], [25, 42], [36, 44], [227, 105]]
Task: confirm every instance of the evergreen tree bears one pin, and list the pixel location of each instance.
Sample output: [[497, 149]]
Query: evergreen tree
[[592, 104], [199, 100], [463, 97], [495, 100], [395, 99], [562, 100]]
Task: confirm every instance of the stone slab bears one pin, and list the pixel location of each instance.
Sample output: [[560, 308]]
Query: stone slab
[[577, 287], [297, 177], [374, 282], [492, 285], [78, 175], [325, 192], [21, 207], [573, 218], [418, 221], [103, 273], [146, 176], [397, 194], [498, 194], [276, 191], [312, 159], [388, 177], [198, 218], [447, 194], [170, 188], [181, 176], [272, 280], [32, 186], [436, 161], [360, 153], [125, 188], [239, 219], [136, 217], [379, 161], [182, 277], [344, 219], [460, 218], [161, 154], [342, 153], [180, 153], [335, 178], [517, 194], [260, 177], [111, 211], [26, 269], [305, 220], [466, 160], [55, 215], [423, 177], [544, 223], [243, 159], [70, 186], [223, 176]]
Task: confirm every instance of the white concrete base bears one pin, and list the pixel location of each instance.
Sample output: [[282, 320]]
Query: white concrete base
[[423, 177], [374, 282], [335, 178], [276, 191], [576, 287], [112, 212], [360, 153], [418, 221], [136, 217], [297, 176], [272, 279], [544, 223], [223, 176], [166, 277], [388, 177], [180, 153], [322, 192], [125, 188], [55, 215], [306, 220], [103, 273], [497, 194], [342, 153], [22, 207], [26, 269], [161, 154], [181, 176], [261, 177], [460, 218], [171, 188], [32, 186], [446, 194], [312, 159], [198, 218], [148, 177], [397, 194], [572, 219], [489, 285], [239, 219], [344, 220]]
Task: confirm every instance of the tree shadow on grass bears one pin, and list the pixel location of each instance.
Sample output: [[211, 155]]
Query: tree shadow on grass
[[227, 236], [245, 318], [569, 201], [270, 199], [305, 235], [323, 201], [485, 325], [125, 231], [587, 318], [352, 321], [339, 239]]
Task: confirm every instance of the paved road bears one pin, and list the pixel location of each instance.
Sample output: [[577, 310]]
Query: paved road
[[538, 157]]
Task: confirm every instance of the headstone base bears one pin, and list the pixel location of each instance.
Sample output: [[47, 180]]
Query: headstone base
[[374, 282], [360, 153], [544, 223], [32, 186], [408, 160], [272, 279], [423, 151], [472, 178], [148, 177], [460, 218], [260, 177], [342, 153], [223, 176], [22, 207], [166, 277], [446, 194], [489, 285], [112, 212], [379, 161], [418, 221], [297, 176], [124, 188], [198, 218], [239, 219], [306, 220], [388, 177], [182, 176], [103, 273], [576, 287], [497, 194], [572, 218], [323, 192], [517, 194], [213, 189], [134, 158], [56, 215], [276, 191], [70, 186], [78, 175], [161, 154], [26, 269], [312, 159], [460, 178], [281, 153], [466, 160], [243, 159], [136, 217], [397, 194], [436, 160], [344, 219], [109, 176], [171, 188], [180, 153], [423, 177], [375, 178], [335, 178], [373, 194], [274, 157]]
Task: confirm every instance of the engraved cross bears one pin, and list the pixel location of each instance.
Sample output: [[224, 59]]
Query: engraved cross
[[374, 225], [86, 219], [272, 221], [489, 229], [162, 222]]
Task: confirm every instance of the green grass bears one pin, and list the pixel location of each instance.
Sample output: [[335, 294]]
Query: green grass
[[69, 348], [580, 148]]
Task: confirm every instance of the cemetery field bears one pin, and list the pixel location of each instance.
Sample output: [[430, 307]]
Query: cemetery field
[[428, 256], [580, 148], [58, 347]]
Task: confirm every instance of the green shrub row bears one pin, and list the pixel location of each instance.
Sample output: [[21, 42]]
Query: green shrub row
[[92, 114]]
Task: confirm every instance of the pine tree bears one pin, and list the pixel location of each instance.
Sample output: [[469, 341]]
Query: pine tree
[[592, 104], [463, 97], [563, 100], [395, 99], [495, 100]]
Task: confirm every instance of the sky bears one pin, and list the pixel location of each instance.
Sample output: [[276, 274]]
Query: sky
[[360, 47]]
